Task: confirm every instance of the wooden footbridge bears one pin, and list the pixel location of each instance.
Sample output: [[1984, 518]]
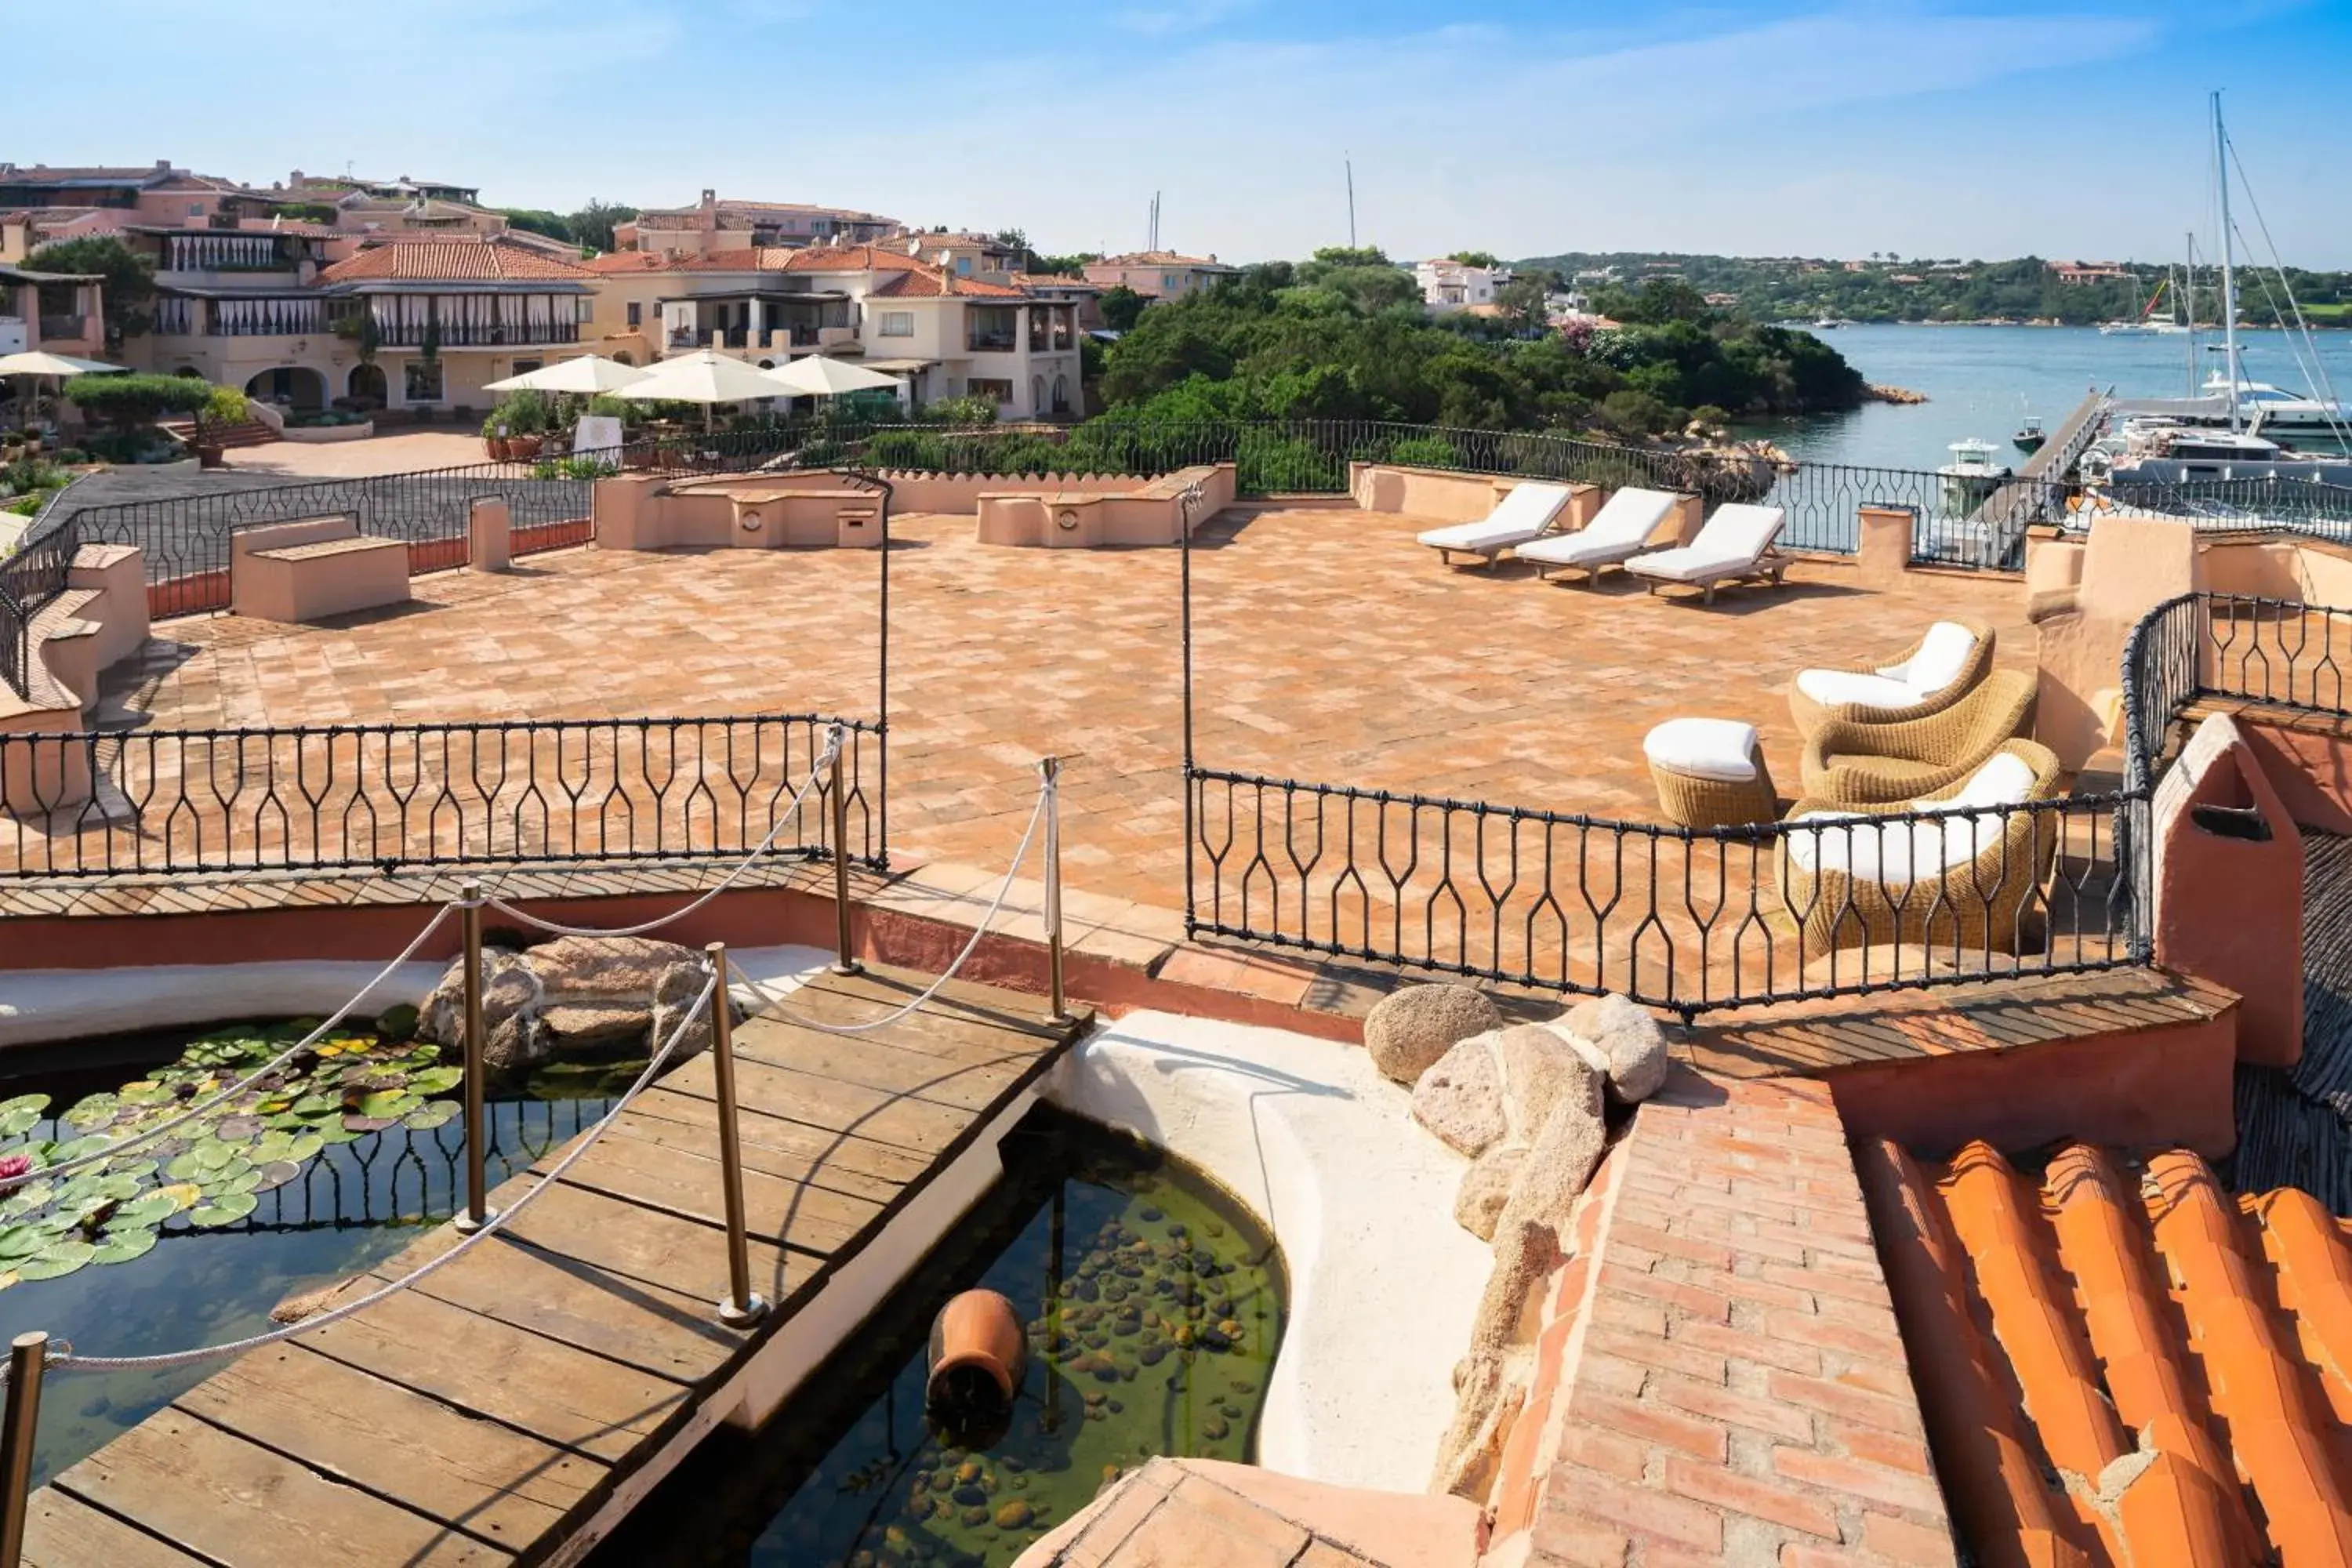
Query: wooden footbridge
[[511, 1406]]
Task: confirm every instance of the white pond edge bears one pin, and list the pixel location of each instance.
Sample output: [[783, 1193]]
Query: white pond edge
[[1383, 1285], [45, 1006]]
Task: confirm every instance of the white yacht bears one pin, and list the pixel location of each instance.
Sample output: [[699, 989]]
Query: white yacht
[[1970, 476], [2268, 408]]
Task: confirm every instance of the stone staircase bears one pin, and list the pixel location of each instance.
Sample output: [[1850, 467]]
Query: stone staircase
[[100, 619], [250, 432]]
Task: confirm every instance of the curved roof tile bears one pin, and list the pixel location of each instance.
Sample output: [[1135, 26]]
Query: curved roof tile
[[2117, 1362]]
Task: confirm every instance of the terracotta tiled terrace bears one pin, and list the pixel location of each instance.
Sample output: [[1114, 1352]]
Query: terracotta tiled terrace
[[1329, 648]]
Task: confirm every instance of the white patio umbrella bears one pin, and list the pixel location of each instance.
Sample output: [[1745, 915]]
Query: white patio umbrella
[[704, 376], [819, 376], [61, 366], [589, 375]]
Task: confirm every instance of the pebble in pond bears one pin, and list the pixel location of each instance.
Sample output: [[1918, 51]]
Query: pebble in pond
[[1118, 1409], [1151, 1354], [1215, 1428], [970, 1471], [971, 1495], [1014, 1515], [1110, 1472], [1148, 1215], [975, 1516]]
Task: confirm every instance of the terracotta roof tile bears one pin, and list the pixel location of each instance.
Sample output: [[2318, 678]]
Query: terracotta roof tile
[[448, 259], [2120, 1362]]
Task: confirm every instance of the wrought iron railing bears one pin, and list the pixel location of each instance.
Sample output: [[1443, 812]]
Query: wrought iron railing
[[1700, 919], [30, 580], [151, 803], [1687, 918]]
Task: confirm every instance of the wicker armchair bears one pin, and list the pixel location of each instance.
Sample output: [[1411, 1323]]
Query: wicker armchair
[[1958, 883], [1851, 766], [1812, 714]]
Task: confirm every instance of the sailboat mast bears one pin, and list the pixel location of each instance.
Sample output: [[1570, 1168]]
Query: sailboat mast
[[2189, 312], [2229, 272]]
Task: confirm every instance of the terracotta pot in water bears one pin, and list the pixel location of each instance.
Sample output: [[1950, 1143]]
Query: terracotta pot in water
[[977, 1352]]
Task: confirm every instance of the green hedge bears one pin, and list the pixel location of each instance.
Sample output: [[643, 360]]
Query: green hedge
[[129, 400]]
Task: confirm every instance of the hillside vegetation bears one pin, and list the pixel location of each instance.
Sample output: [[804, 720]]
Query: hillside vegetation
[[1887, 288], [1344, 336]]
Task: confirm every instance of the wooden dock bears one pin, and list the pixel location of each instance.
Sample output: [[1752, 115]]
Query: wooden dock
[[2006, 513], [511, 1406]]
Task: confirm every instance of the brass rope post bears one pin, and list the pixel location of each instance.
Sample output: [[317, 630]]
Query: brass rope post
[[477, 1213], [742, 1306], [28, 1356]]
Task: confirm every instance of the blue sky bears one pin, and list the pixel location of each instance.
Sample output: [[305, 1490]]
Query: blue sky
[[1927, 128]]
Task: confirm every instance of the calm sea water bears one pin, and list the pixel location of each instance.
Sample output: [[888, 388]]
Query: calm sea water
[[1981, 380]]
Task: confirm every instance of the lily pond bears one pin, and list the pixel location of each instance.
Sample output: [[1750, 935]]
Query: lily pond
[[1154, 1307], [324, 1167]]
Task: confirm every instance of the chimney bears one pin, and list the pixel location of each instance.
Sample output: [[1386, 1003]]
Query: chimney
[[163, 165]]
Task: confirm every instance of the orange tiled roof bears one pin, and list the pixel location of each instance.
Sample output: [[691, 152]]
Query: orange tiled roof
[[746, 258], [447, 258], [2121, 1363], [927, 283]]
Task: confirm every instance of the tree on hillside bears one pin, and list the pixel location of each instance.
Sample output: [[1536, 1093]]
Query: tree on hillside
[[1121, 308], [538, 220], [592, 224], [1062, 266], [1522, 299], [128, 280], [1484, 259]]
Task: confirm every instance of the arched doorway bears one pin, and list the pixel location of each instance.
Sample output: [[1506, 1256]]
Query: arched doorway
[[298, 387], [366, 386], [1036, 394]]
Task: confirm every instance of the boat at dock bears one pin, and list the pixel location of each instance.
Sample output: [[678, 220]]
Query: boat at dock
[[2030, 434]]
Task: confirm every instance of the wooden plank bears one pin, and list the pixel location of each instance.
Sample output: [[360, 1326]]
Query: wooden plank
[[807, 1218], [916, 1125], [63, 1532], [700, 1136], [490, 1481], [974, 1079], [562, 1395], [837, 1152], [650, 1327], [877, 988], [640, 1244], [245, 1507]]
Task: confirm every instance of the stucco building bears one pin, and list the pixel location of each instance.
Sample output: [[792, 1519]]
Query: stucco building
[[1159, 274], [713, 226], [950, 335]]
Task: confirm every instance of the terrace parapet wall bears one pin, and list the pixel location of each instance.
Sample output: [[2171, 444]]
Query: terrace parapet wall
[[1719, 1372]]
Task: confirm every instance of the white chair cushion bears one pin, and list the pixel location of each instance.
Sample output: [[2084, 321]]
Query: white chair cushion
[[1898, 854], [1687, 564], [1622, 526], [1721, 749], [1843, 688], [1943, 653]]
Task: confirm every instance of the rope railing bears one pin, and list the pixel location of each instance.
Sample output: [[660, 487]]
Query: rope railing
[[33, 1354]]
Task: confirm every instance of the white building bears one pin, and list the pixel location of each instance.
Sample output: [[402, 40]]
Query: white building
[[1449, 285]]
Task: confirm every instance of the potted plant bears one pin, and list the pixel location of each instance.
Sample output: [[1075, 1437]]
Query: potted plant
[[494, 438]]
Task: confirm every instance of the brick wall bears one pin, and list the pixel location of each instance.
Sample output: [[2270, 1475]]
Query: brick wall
[[1720, 1376]]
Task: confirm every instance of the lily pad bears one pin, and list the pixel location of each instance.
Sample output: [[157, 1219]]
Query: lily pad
[[357, 1125], [144, 1092], [185, 1167], [183, 1194], [19, 1242], [436, 1080], [226, 1209], [34, 1102], [237, 1179], [212, 1154], [57, 1260], [440, 1113], [238, 1128], [390, 1104], [305, 1146], [93, 1111], [120, 1245], [276, 1174], [154, 1209]]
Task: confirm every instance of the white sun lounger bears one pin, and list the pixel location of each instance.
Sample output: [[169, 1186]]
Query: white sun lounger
[[1736, 545], [1620, 531], [1527, 512]]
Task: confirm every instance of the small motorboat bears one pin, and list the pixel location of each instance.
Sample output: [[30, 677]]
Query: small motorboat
[[2030, 435]]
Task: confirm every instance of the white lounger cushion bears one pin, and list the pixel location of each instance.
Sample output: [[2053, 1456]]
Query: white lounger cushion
[[1524, 514], [1897, 854], [1943, 653], [1620, 529], [1722, 749], [1733, 539]]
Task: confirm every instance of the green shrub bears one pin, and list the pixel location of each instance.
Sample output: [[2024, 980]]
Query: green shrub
[[1423, 452], [585, 468], [912, 449], [961, 411], [604, 405], [132, 400], [225, 405], [530, 412], [1269, 463]]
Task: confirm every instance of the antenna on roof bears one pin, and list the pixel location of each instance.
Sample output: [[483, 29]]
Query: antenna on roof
[[1350, 164]]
